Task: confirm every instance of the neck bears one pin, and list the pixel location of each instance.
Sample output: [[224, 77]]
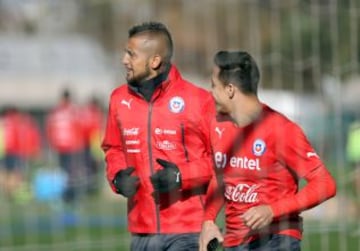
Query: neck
[[246, 113], [147, 87]]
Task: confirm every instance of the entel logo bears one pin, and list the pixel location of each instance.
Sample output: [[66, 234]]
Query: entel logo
[[236, 162], [160, 131], [245, 163]]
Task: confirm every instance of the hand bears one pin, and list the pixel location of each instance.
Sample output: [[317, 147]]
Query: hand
[[258, 217], [126, 184], [167, 179], [209, 231]]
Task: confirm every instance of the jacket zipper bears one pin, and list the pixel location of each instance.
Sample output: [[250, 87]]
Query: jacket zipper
[[183, 142], [151, 164]]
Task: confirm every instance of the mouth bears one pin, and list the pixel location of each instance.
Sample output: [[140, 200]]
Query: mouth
[[128, 72]]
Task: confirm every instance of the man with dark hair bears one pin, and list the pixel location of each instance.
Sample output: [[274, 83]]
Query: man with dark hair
[[260, 155], [157, 145]]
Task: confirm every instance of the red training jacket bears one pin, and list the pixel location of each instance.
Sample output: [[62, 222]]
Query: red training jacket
[[22, 135], [262, 164], [173, 126], [64, 129]]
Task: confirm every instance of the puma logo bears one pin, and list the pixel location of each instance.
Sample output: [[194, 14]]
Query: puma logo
[[126, 103], [311, 154], [177, 177], [219, 131]]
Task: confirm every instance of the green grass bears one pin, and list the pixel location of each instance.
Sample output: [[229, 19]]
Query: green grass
[[330, 241], [95, 224]]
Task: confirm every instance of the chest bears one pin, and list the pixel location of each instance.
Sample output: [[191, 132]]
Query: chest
[[164, 122], [248, 154]]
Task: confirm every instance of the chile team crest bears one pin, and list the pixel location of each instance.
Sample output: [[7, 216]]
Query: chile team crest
[[176, 104], [259, 147]]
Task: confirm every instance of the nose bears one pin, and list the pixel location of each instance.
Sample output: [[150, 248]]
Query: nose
[[125, 59]]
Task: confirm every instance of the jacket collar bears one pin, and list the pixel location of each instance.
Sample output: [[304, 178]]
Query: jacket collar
[[151, 89]]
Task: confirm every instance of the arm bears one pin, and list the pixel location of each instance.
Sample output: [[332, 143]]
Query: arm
[[197, 173], [112, 145], [320, 187], [299, 155], [214, 203]]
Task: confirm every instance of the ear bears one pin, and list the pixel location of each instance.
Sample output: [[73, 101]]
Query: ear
[[230, 90], [155, 62]]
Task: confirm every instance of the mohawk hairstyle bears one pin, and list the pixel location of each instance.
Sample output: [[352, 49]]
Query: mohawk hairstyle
[[155, 28]]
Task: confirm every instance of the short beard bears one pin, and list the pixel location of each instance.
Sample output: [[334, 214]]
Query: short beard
[[136, 81]]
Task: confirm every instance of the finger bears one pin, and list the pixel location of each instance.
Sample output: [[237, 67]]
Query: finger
[[248, 219], [220, 238], [255, 225], [129, 170], [163, 162], [203, 244]]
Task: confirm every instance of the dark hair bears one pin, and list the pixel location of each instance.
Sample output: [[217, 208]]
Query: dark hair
[[239, 68], [66, 94], [155, 28]]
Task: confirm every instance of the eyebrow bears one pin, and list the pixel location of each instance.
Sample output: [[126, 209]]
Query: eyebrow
[[130, 52]]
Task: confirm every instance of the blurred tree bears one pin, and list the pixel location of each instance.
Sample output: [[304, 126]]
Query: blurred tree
[[97, 19], [316, 39]]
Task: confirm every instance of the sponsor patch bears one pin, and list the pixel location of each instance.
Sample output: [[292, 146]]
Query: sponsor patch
[[159, 131], [133, 150], [166, 145], [131, 131]]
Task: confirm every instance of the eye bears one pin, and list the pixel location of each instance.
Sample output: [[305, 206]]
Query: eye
[[129, 53], [212, 83]]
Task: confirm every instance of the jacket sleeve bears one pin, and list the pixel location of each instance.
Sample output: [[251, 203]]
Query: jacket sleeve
[[300, 157], [198, 172], [112, 145], [214, 198]]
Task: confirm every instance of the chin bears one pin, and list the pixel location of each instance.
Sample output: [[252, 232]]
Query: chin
[[220, 110]]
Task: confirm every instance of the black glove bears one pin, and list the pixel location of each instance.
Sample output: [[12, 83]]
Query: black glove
[[213, 245], [126, 184], [167, 179]]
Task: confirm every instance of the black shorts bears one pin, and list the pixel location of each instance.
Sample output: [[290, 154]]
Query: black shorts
[[272, 242], [12, 162], [168, 242]]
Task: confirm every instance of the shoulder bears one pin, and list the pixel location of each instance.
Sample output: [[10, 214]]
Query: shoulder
[[284, 125], [186, 84], [193, 90], [275, 117], [119, 91]]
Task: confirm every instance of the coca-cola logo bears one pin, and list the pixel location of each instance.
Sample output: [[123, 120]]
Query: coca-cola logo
[[242, 193]]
